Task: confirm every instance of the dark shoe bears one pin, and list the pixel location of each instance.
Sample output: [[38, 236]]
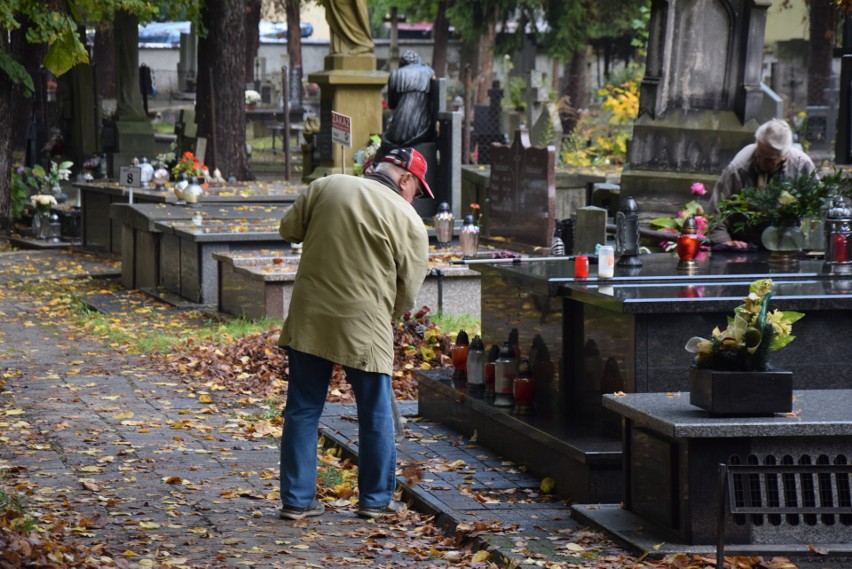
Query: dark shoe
[[374, 513], [289, 513]]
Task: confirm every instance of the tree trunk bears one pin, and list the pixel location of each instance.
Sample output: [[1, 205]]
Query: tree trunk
[[294, 53], [220, 103], [820, 48], [440, 37], [5, 142], [574, 80], [294, 34], [104, 60], [485, 64], [252, 17], [30, 56]]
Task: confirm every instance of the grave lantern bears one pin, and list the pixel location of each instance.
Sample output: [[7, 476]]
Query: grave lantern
[[161, 177], [443, 222], [838, 238], [523, 389], [627, 234], [469, 237], [491, 372], [476, 368], [146, 172], [688, 244], [54, 228], [459, 356], [505, 370]]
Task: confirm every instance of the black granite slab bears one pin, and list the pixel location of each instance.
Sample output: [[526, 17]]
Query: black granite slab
[[710, 296], [543, 274]]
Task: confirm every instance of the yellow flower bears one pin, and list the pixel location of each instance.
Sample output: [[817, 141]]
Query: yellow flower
[[786, 198], [781, 325]]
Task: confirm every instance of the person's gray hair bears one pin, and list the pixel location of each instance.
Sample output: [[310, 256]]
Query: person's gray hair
[[776, 133], [389, 167]]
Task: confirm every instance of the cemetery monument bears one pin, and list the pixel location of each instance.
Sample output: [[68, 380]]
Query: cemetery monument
[[349, 83], [700, 100]]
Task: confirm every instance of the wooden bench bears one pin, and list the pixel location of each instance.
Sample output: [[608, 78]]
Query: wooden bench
[[783, 493]]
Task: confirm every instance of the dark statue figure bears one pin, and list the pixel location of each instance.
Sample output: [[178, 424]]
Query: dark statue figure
[[409, 97]]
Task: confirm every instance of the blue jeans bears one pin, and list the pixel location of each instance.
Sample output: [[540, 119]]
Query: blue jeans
[[306, 393]]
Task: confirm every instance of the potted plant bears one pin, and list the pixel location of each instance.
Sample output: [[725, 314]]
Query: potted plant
[[731, 374]]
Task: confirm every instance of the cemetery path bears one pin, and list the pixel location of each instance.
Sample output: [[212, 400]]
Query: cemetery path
[[126, 465]]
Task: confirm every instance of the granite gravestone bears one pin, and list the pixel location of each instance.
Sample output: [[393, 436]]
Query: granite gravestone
[[522, 194]]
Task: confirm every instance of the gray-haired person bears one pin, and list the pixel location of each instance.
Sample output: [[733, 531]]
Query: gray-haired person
[[771, 155]]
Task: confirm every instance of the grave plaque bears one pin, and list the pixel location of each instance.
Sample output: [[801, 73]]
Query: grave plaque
[[522, 193]]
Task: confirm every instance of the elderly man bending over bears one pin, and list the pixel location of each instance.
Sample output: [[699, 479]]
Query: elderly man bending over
[[772, 155]]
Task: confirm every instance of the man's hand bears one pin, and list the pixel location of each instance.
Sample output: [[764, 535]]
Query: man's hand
[[736, 244]]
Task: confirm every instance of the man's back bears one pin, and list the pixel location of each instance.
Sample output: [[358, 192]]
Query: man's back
[[365, 252]]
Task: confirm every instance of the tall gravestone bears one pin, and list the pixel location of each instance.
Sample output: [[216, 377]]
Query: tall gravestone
[[522, 194], [700, 100], [486, 124]]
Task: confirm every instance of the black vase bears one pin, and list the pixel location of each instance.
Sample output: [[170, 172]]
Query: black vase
[[741, 393]]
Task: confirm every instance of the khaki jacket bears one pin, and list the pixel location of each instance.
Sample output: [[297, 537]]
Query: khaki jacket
[[364, 257]]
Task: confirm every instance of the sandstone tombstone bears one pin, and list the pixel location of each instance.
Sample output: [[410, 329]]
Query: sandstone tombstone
[[522, 194]]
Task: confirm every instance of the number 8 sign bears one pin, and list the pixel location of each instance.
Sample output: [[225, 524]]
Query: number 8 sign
[[130, 176]]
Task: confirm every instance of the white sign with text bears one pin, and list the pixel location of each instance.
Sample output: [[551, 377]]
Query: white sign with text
[[341, 129]]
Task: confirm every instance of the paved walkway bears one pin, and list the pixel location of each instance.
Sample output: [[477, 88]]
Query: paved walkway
[[133, 460]]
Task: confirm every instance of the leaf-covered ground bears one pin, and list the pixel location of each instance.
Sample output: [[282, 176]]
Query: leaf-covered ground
[[239, 379]]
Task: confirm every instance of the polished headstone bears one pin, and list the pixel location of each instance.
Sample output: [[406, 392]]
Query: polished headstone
[[522, 194]]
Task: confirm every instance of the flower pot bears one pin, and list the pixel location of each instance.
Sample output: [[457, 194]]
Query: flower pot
[[741, 393]]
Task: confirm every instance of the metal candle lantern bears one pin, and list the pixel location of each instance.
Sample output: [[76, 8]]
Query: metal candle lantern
[[161, 177], [476, 368], [469, 237], [627, 234], [688, 244], [505, 371], [146, 172], [54, 228], [443, 222], [838, 238]]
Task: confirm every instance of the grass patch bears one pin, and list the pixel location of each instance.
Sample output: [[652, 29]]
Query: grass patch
[[12, 510], [452, 323], [140, 324]]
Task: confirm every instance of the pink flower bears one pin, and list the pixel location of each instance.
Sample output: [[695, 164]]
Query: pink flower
[[698, 189]]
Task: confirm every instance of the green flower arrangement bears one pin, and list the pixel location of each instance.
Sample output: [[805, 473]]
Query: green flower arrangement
[[752, 334], [782, 202]]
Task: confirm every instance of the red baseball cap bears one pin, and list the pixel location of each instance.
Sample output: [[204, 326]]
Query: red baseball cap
[[412, 161]]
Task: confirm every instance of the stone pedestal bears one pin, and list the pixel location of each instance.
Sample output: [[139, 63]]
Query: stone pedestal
[[351, 86], [128, 140]]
